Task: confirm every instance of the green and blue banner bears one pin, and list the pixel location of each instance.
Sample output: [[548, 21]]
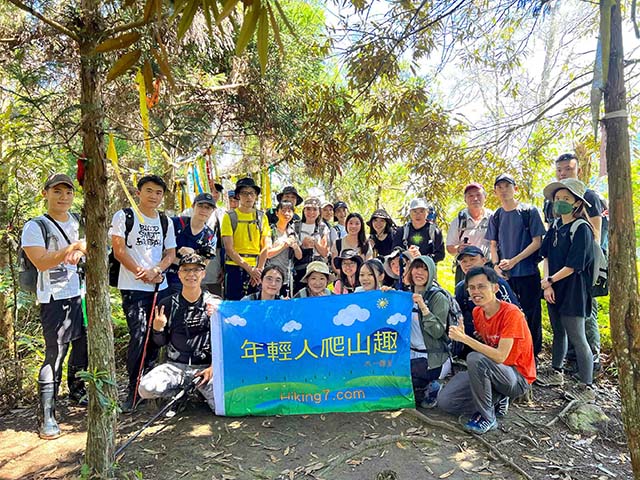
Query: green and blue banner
[[340, 353]]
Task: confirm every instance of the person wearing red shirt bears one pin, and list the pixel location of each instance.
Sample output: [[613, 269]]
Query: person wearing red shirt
[[501, 365]]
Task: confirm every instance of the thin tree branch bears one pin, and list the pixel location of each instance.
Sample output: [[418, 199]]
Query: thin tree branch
[[124, 27], [633, 18], [60, 28]]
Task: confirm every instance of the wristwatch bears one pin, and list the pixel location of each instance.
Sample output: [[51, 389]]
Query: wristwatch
[[550, 280]]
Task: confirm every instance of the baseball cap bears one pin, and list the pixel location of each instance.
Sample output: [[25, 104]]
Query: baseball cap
[[231, 193], [470, 250], [504, 177], [473, 185], [418, 203], [312, 202], [57, 179], [204, 198], [340, 204], [192, 258]]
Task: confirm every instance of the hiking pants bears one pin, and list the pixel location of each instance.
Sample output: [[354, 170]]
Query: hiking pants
[[136, 306], [237, 283], [573, 327], [481, 387], [529, 295], [167, 379], [62, 326]]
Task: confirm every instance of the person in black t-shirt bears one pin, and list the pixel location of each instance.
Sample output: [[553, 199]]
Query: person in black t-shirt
[[182, 324]]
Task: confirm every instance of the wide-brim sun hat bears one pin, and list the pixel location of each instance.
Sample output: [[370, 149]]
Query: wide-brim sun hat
[[287, 190], [575, 186], [348, 254], [397, 252], [316, 267], [380, 213], [246, 182]]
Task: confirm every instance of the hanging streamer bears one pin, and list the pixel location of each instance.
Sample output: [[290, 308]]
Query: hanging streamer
[[266, 190], [202, 171], [144, 116], [113, 156], [190, 186], [196, 176]]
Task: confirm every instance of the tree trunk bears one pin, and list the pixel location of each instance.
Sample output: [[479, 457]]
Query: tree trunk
[[101, 422], [624, 307]]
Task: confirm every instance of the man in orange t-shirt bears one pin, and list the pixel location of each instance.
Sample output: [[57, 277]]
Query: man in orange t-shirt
[[502, 364]]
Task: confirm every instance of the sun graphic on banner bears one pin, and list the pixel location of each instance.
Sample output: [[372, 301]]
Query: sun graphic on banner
[[383, 303]]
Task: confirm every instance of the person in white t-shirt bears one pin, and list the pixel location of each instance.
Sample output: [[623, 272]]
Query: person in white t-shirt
[[144, 253], [52, 243]]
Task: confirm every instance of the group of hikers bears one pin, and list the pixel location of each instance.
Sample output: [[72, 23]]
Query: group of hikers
[[172, 272]]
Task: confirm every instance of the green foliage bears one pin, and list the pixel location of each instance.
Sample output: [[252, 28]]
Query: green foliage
[[97, 379]]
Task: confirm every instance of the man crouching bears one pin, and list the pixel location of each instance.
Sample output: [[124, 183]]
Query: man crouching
[[181, 322], [501, 365]]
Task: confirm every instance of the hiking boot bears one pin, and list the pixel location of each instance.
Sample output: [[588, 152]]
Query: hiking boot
[[49, 428], [128, 406], [431, 399], [502, 407], [554, 378], [77, 392], [479, 425], [581, 392]]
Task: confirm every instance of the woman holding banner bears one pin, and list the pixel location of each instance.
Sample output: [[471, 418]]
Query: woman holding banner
[[272, 280]]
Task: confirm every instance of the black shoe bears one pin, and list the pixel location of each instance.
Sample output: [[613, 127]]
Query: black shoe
[[128, 406], [79, 398], [49, 428], [77, 392]]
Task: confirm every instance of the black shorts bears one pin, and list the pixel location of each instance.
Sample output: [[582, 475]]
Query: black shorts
[[62, 320]]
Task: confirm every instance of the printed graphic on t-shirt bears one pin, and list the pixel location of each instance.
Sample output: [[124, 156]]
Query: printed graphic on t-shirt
[[416, 239], [149, 235]]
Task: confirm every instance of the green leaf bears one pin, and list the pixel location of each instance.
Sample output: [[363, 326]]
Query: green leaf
[[206, 9], [248, 26], [227, 8], [276, 29], [263, 38], [187, 17]]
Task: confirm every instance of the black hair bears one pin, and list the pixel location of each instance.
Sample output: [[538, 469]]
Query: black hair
[[363, 244], [387, 226], [152, 179], [277, 268], [344, 279], [489, 272], [412, 265], [566, 157], [376, 268], [304, 218], [578, 212]]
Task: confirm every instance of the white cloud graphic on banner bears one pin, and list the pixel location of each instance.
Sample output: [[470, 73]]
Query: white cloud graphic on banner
[[396, 318], [348, 316], [291, 325], [236, 321]]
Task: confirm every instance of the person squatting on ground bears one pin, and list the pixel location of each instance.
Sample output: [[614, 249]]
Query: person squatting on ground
[[58, 292], [502, 365], [515, 232], [193, 235], [420, 236], [270, 285], [144, 252], [284, 246], [316, 278], [469, 227], [568, 271], [468, 258], [245, 233], [429, 341], [181, 323]]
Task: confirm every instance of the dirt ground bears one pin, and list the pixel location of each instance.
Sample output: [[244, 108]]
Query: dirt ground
[[378, 446]]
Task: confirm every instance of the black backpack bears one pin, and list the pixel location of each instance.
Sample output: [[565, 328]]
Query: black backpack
[[454, 315], [27, 271], [114, 264]]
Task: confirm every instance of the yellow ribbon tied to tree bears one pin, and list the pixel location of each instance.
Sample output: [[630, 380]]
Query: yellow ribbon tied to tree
[[144, 113], [112, 155]]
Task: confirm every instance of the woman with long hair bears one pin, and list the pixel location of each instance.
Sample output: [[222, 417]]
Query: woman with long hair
[[284, 246], [381, 230], [371, 276], [568, 272], [348, 265], [313, 236], [355, 239]]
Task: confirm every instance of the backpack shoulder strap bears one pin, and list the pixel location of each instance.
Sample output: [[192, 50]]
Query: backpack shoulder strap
[[432, 231], [164, 224], [405, 233], [574, 226], [259, 219], [462, 224], [44, 228], [128, 224], [233, 217], [339, 246]]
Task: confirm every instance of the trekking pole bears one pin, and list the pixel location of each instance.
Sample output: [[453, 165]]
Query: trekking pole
[[83, 294], [146, 341], [186, 390]]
